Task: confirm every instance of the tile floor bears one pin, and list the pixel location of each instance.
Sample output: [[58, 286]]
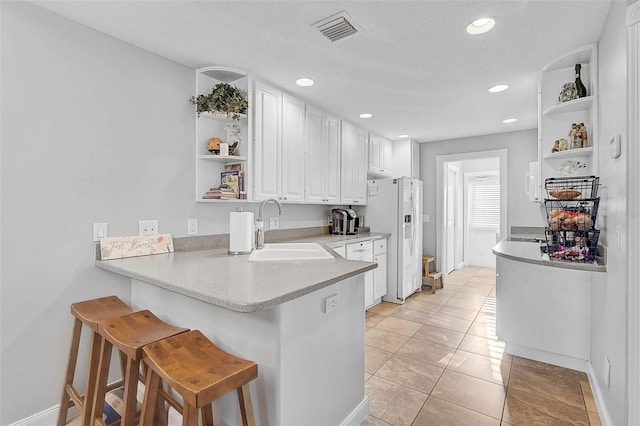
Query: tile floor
[[436, 360]]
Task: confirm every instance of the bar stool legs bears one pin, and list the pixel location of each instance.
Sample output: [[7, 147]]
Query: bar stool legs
[[129, 333], [87, 313], [200, 372]]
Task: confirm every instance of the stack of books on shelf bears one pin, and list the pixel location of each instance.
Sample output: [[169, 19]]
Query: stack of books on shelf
[[231, 186]]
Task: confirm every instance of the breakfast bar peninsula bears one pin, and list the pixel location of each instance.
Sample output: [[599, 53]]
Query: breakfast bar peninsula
[[301, 320]]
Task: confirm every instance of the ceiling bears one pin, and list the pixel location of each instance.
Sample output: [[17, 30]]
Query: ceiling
[[412, 64]]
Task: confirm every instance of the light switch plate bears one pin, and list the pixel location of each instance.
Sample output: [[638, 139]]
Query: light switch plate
[[99, 231], [192, 227], [273, 223], [615, 147]]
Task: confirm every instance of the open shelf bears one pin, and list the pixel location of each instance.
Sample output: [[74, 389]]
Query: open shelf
[[570, 153], [228, 159], [581, 104], [220, 116]]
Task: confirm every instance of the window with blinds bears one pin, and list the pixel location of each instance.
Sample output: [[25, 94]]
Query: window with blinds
[[485, 205]]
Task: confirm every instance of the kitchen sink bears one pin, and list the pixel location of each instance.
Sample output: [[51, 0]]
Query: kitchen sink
[[290, 252]]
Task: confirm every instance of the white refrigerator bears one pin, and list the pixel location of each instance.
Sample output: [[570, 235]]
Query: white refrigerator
[[394, 206]]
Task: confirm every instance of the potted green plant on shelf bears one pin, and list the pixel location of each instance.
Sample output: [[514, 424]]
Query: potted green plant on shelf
[[223, 99]]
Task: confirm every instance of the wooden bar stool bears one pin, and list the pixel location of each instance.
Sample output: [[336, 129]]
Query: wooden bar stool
[[129, 333], [87, 313], [428, 274], [200, 372]]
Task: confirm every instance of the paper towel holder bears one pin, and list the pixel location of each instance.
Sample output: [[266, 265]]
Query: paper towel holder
[[241, 247]]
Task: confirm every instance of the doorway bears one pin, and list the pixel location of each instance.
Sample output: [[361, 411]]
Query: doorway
[[468, 222]]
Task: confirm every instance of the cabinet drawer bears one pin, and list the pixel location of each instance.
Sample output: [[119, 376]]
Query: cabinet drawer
[[379, 246]]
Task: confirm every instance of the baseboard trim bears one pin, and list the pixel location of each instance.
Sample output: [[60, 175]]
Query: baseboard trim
[[358, 415], [548, 357], [596, 389], [46, 417]]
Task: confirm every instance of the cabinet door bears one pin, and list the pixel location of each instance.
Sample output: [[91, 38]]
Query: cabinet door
[[374, 153], [349, 168], [386, 156], [380, 276], [332, 170], [368, 289], [293, 138], [360, 168], [315, 157], [268, 119]]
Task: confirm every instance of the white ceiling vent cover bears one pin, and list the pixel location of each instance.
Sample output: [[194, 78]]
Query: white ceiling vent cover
[[338, 26]]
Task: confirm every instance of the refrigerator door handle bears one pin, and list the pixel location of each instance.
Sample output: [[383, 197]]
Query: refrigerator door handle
[[413, 224]]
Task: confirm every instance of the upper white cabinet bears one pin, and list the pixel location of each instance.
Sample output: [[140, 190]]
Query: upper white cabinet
[[556, 118], [380, 156], [278, 145], [406, 159], [353, 172], [322, 159], [209, 165]]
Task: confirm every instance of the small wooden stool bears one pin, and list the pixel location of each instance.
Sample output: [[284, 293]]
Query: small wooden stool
[[428, 274], [129, 333], [88, 313], [200, 372]]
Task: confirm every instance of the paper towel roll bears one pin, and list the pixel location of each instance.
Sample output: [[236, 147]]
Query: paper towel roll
[[240, 232]]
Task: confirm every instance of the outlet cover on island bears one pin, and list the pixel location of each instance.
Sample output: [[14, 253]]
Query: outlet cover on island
[[331, 303], [147, 227], [192, 227]]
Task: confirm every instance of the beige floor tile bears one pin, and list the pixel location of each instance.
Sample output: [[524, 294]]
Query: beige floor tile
[[436, 300], [408, 314], [483, 329], [589, 401], [384, 340], [450, 323], [372, 421], [483, 346], [558, 384], [429, 352], [480, 366], [384, 308], [440, 335], [393, 403], [438, 412], [374, 358], [471, 297], [400, 326], [473, 291], [472, 393], [489, 317], [367, 376], [524, 408], [460, 276], [371, 318], [456, 312], [422, 305], [481, 281], [410, 372], [465, 303]]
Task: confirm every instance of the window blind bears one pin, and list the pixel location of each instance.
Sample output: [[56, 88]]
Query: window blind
[[485, 205]]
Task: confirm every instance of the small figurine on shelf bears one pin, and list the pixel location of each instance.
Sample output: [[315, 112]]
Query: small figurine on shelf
[[574, 137], [213, 145], [582, 132], [560, 145]]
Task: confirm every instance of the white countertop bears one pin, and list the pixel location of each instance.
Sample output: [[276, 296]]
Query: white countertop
[[232, 282], [529, 252]]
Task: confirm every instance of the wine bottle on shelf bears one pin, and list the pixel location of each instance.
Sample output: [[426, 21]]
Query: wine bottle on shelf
[[582, 90]]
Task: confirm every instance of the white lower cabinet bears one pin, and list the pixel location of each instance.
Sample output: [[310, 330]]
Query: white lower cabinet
[[380, 273], [363, 251]]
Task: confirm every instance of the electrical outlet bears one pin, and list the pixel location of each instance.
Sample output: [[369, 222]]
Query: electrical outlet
[[192, 227], [273, 223], [330, 303], [147, 227], [99, 231]]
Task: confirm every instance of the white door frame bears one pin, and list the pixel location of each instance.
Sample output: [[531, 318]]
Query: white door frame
[[441, 187], [466, 221], [633, 212]]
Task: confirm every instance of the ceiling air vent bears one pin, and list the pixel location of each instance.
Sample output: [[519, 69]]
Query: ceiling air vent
[[338, 26]]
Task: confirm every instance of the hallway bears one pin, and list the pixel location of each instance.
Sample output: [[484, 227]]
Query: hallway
[[436, 360]]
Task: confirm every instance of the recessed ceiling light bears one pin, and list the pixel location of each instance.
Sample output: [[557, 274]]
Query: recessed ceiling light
[[304, 82], [509, 120], [498, 88], [365, 115], [403, 136], [481, 26]]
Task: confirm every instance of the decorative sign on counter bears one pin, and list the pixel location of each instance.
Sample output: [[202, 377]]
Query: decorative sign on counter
[[136, 245]]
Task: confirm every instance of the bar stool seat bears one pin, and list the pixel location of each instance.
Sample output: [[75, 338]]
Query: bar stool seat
[[200, 372], [129, 333], [428, 274], [88, 313]]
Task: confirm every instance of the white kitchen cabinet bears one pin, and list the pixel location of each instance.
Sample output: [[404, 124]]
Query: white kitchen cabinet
[[278, 145], [555, 118], [380, 156], [208, 165], [353, 171], [406, 159], [363, 251], [322, 158], [380, 273]]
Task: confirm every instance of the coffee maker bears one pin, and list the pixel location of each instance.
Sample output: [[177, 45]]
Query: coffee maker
[[344, 221]]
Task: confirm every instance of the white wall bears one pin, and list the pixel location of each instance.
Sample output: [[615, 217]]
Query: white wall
[[522, 148], [609, 312], [93, 130]]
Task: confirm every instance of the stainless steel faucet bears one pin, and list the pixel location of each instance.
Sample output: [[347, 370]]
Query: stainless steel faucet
[[260, 221]]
